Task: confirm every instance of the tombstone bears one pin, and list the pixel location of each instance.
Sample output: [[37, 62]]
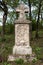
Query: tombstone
[[22, 33]]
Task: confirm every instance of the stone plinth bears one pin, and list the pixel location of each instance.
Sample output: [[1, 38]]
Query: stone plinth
[[22, 38], [22, 50]]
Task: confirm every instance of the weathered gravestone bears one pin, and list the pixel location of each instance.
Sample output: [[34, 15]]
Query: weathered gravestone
[[22, 33]]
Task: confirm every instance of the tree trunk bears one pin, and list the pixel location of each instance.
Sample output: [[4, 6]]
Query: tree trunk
[[3, 6], [39, 9], [29, 3], [30, 18], [4, 21]]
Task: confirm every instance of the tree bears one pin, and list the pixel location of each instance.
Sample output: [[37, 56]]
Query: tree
[[3, 6], [38, 4], [39, 11], [29, 3]]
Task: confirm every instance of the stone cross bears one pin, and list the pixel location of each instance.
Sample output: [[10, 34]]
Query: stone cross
[[22, 34], [22, 8]]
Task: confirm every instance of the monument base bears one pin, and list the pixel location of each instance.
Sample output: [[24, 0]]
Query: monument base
[[22, 50]]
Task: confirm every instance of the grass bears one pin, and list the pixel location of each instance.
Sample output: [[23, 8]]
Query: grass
[[7, 45]]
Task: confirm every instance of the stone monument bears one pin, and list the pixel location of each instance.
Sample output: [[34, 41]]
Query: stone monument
[[22, 33]]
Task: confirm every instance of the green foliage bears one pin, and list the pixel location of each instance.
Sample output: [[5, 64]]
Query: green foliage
[[5, 63], [41, 25], [38, 49], [9, 28], [34, 60], [12, 3], [19, 61], [38, 52], [33, 25], [0, 29]]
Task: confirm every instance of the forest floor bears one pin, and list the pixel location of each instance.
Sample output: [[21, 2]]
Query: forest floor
[[7, 45]]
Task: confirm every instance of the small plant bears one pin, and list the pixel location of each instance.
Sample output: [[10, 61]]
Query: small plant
[[34, 60], [38, 49], [19, 61], [5, 63], [2, 39], [38, 52]]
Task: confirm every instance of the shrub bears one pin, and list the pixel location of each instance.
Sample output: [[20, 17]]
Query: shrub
[[38, 52], [34, 60], [5, 63], [33, 25], [19, 61], [9, 29]]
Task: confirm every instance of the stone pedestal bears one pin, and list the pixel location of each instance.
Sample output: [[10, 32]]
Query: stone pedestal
[[22, 38], [22, 50]]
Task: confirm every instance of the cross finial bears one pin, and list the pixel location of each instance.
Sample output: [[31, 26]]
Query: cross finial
[[22, 8]]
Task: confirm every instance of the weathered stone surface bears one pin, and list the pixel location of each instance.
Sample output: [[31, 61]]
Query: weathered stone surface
[[22, 50], [22, 8], [11, 58], [22, 34], [22, 43], [19, 21]]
